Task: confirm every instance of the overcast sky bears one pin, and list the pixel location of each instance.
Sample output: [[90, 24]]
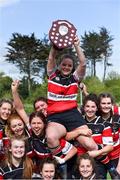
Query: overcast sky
[[28, 16]]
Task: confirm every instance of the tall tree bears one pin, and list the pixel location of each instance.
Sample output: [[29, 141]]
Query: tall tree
[[106, 47], [91, 46], [27, 53]]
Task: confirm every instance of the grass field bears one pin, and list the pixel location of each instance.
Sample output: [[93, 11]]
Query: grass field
[[108, 177]]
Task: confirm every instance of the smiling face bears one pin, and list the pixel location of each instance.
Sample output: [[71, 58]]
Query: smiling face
[[48, 171], [41, 106], [105, 105], [17, 148], [66, 66], [85, 168], [90, 109], [5, 110], [37, 125], [17, 127]]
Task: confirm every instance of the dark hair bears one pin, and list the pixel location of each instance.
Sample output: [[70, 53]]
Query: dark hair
[[39, 99], [105, 95], [85, 156], [51, 160], [41, 116], [91, 97], [38, 114], [64, 56]]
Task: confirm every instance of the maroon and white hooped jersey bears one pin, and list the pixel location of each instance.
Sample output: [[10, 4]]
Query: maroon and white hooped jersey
[[114, 122], [37, 147], [62, 92], [102, 135]]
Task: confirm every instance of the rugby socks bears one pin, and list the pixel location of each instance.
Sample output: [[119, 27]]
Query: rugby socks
[[56, 151]]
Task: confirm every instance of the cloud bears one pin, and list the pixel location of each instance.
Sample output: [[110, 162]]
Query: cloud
[[4, 3]]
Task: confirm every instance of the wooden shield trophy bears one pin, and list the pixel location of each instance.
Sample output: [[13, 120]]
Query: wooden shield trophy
[[62, 34]]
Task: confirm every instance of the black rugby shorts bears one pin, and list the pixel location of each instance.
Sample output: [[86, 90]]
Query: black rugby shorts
[[70, 119]]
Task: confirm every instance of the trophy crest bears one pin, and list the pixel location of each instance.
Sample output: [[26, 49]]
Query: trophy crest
[[62, 34]]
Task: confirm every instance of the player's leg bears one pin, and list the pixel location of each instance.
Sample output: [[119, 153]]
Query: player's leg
[[54, 132], [87, 141]]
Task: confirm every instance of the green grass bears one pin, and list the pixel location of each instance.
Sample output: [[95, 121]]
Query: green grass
[[108, 176]]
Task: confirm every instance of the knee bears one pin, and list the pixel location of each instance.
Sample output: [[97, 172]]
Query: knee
[[92, 147], [88, 143], [52, 139]]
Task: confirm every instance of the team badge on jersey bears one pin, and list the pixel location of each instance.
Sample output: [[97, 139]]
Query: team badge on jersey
[[96, 128], [57, 78]]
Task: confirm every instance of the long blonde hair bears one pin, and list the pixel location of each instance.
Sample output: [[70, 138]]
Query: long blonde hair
[[27, 162]]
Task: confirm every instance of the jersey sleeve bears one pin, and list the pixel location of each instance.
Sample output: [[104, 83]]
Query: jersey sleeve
[[66, 146]]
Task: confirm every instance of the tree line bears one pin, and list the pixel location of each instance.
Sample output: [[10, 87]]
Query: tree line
[[29, 54], [94, 85]]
